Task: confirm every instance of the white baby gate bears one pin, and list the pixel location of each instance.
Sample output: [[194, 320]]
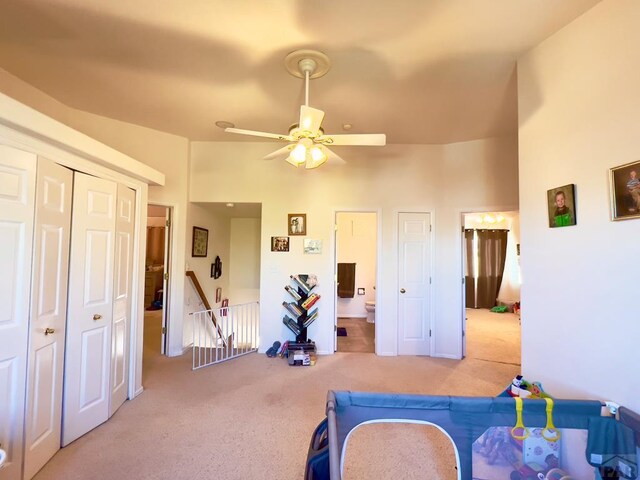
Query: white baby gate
[[224, 333]]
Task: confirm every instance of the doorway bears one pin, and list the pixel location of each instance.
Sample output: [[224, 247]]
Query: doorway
[[156, 279], [491, 290], [356, 253]]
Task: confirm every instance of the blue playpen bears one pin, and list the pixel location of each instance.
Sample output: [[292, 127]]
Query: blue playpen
[[493, 437]]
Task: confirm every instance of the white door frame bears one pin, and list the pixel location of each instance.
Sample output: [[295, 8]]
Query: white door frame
[[334, 248]]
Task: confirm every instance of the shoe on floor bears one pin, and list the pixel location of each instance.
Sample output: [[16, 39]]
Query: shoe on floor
[[273, 350]]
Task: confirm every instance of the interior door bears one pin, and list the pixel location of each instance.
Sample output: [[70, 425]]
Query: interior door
[[90, 308], [17, 195], [414, 298], [125, 222], [54, 185]]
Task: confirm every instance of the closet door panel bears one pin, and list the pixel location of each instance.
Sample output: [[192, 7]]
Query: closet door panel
[[48, 314], [17, 196], [87, 359], [125, 223]]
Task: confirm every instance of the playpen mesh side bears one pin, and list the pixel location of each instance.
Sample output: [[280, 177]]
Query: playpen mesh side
[[498, 455]]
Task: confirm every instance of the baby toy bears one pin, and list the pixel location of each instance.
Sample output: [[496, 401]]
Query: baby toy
[[523, 389], [555, 474]]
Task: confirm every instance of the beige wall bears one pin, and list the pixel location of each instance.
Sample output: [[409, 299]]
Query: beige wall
[[443, 180], [579, 115], [244, 264], [219, 238], [166, 153]]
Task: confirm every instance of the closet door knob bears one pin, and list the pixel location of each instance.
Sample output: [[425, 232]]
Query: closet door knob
[[97, 316], [47, 331], [402, 290]]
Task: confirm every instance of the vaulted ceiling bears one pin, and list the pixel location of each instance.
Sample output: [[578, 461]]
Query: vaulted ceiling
[[421, 71]]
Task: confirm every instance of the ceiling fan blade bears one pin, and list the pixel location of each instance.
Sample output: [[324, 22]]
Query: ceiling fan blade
[[332, 157], [310, 119], [259, 134], [361, 139], [281, 152]]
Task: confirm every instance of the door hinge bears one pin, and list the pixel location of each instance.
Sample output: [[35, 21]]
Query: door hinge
[[164, 330], [463, 280], [463, 333], [335, 328], [167, 223], [429, 332], [429, 227], [429, 280], [166, 276]]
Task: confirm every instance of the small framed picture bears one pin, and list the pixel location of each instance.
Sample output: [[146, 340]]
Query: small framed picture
[[218, 294], [625, 191], [279, 244], [297, 223], [561, 204], [200, 242], [312, 246]]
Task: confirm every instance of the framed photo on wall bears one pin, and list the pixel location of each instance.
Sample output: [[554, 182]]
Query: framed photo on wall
[[561, 204], [279, 244], [200, 242], [312, 246], [297, 223], [625, 191]]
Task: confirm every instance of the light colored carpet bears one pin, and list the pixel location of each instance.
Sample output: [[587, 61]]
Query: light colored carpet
[[493, 337], [253, 417]]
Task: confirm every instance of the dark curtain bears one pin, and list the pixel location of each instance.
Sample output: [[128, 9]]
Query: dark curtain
[[492, 251], [469, 287]]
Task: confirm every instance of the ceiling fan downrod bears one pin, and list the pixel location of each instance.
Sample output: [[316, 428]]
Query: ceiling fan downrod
[[307, 66]]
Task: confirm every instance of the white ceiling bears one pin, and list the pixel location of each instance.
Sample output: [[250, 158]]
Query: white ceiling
[[421, 71]]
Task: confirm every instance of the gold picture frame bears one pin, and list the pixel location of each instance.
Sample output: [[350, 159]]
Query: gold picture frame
[[624, 187], [297, 223]]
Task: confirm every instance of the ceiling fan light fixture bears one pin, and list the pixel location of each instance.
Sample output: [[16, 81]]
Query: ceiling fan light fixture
[[299, 153], [317, 157]]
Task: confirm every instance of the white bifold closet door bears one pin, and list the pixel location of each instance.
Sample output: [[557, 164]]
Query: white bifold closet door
[[17, 192], [125, 222], [54, 185], [90, 309]]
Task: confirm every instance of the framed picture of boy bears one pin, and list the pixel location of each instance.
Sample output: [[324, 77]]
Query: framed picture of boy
[[625, 191], [561, 204]]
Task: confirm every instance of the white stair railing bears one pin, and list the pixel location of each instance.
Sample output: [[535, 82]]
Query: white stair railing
[[234, 333]]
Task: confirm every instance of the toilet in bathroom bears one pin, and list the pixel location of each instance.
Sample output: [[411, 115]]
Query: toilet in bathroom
[[370, 307]]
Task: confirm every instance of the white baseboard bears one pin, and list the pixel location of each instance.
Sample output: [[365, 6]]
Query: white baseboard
[[355, 315], [138, 392], [445, 355]]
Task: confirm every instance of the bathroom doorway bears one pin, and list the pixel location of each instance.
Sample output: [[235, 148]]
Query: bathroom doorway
[[356, 252]]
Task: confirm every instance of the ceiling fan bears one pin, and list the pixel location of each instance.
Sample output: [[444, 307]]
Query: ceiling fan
[[307, 140]]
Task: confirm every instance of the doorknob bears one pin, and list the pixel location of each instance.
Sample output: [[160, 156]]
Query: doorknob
[[402, 290], [47, 331], [97, 316]]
